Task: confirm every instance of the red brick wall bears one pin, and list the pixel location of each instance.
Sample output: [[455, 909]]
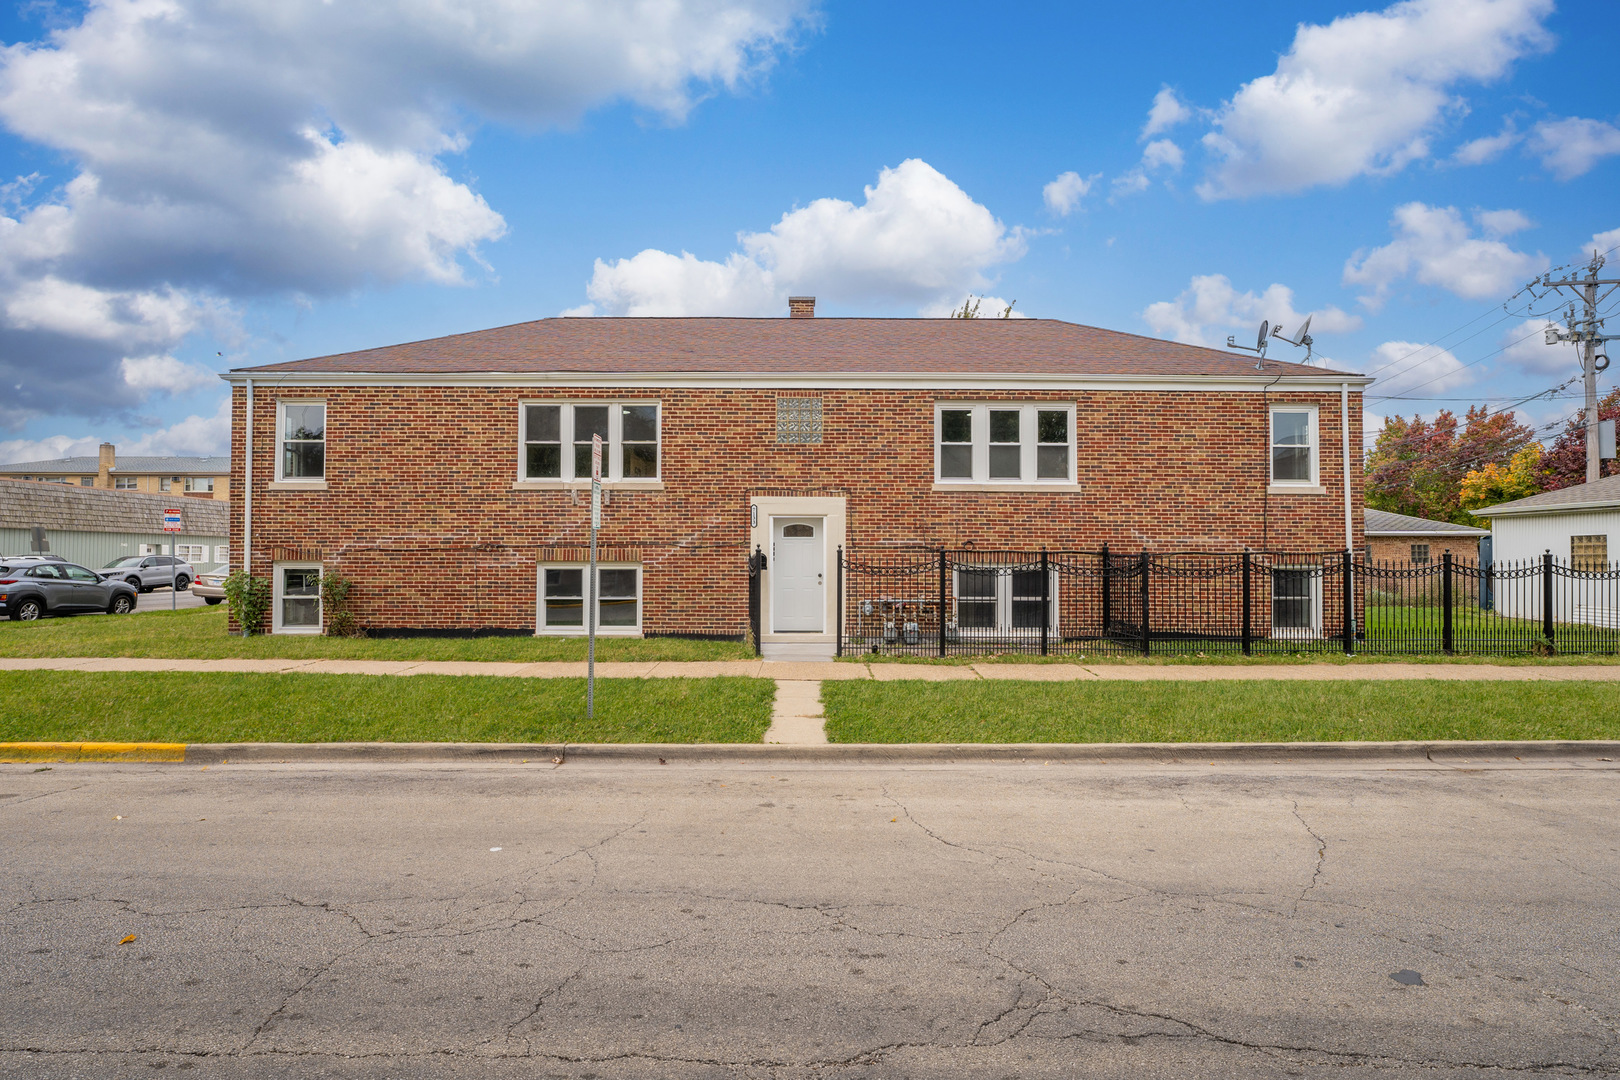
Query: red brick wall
[[420, 510]]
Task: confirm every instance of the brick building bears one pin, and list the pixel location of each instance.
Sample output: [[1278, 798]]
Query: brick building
[[449, 478], [181, 477], [1401, 538]]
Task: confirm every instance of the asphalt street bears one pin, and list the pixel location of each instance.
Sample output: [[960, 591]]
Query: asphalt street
[[622, 920]]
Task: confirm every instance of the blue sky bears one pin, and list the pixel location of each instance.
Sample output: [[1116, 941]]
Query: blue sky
[[193, 185]]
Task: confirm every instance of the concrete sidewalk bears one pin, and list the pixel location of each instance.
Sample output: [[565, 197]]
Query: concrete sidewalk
[[822, 672]]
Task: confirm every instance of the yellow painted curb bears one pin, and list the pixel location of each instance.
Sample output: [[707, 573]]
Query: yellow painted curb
[[13, 752]]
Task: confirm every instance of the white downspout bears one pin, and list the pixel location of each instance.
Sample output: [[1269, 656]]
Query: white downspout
[[247, 484]]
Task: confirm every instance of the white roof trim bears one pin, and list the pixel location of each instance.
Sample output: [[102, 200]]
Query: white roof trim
[[797, 380], [1553, 508]]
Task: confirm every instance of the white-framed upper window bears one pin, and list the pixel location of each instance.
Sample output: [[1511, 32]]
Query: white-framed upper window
[[555, 439], [200, 483], [1029, 443], [563, 598], [126, 483], [1296, 602], [1003, 599], [296, 607], [301, 454], [222, 554], [192, 553], [1293, 445]]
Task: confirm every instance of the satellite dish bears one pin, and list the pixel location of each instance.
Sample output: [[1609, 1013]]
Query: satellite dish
[[1299, 337], [1260, 344]]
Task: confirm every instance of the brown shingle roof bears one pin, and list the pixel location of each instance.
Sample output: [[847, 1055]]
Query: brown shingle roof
[[851, 346]]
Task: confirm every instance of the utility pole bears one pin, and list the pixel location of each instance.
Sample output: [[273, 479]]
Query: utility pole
[[1588, 335]]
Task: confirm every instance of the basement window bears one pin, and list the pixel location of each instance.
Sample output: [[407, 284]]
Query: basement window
[[296, 607], [563, 599]]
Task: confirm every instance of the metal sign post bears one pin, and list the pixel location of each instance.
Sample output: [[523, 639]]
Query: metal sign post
[[590, 589], [172, 524]]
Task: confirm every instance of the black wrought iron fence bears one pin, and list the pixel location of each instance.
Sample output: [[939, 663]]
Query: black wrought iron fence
[[933, 602]]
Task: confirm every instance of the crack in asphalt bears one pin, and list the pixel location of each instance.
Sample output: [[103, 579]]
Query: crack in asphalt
[[1321, 858]]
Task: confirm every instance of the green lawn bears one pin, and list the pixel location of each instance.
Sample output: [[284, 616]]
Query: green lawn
[[1262, 711], [180, 707], [199, 633]]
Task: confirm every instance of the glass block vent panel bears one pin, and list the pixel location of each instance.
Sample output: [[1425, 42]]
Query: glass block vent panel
[[798, 420]]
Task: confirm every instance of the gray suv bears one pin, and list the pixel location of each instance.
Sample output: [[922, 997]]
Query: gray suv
[[148, 572], [29, 590]]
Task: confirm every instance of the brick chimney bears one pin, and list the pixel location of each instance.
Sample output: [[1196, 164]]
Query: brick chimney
[[106, 459], [801, 307]]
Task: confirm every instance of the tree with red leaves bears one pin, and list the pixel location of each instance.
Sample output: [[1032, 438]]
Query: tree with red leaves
[[1417, 466], [1565, 460]]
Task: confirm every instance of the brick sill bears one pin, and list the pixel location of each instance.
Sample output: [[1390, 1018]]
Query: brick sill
[[1051, 489], [297, 485], [585, 485], [1296, 489]]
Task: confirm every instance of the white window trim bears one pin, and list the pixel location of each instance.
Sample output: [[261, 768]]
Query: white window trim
[[1004, 601], [276, 598], [542, 630], [1298, 633], [1314, 431], [222, 554], [1027, 423], [280, 438], [180, 549], [613, 456]]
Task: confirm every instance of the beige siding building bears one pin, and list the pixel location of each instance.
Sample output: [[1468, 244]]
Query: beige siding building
[[184, 477]]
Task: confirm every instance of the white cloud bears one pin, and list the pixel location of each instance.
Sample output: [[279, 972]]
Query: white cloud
[[1489, 148], [1158, 154], [1210, 308], [918, 239], [1063, 195], [1502, 222], [1365, 93], [195, 436], [1525, 347], [1570, 147], [1167, 112], [1132, 183], [49, 448], [1162, 154], [989, 307], [1405, 366], [1601, 242], [295, 147], [1435, 245], [164, 374]]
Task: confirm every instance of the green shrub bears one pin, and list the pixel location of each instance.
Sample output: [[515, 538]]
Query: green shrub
[[340, 622], [249, 598]]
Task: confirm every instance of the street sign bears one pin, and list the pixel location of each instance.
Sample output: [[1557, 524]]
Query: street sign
[[596, 458], [171, 520]]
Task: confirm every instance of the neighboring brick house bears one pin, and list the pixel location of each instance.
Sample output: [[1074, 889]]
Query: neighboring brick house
[[449, 478], [1400, 538]]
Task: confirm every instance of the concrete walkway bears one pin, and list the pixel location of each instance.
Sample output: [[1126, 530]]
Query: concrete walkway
[[820, 672], [797, 718]]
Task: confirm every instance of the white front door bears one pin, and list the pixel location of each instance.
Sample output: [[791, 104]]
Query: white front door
[[798, 574]]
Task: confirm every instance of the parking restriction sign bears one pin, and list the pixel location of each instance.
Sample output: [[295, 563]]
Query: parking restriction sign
[[171, 520]]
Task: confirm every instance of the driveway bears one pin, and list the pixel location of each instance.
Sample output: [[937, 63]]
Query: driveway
[[702, 921]]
